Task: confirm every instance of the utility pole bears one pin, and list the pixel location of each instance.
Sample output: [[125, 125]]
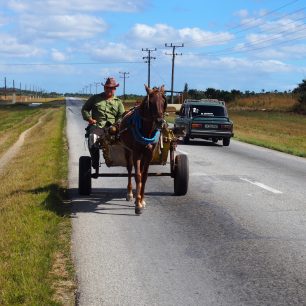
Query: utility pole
[[97, 83], [148, 60], [5, 88], [14, 93], [171, 45], [124, 77]]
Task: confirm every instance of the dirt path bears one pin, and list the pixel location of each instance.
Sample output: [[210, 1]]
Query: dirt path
[[14, 149]]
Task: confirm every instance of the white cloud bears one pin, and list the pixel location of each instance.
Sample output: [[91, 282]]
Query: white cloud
[[111, 51], [161, 33], [242, 13], [295, 50], [283, 52], [10, 46], [18, 5], [204, 38], [58, 55], [62, 26], [56, 6], [234, 64]]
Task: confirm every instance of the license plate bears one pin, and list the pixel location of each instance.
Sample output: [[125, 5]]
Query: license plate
[[211, 126]]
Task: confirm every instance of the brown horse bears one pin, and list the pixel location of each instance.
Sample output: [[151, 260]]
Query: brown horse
[[139, 134]]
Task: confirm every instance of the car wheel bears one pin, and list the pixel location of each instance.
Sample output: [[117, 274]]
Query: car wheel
[[226, 142]]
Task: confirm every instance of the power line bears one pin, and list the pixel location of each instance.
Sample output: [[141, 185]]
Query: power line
[[274, 37], [249, 22], [266, 14], [72, 63]]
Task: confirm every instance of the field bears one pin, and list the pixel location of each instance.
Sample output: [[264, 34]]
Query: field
[[285, 132], [271, 102], [26, 99], [35, 264]]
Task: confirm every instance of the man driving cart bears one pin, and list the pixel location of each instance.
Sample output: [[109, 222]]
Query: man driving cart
[[101, 110]]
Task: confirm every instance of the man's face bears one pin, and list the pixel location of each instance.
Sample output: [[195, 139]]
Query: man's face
[[109, 91]]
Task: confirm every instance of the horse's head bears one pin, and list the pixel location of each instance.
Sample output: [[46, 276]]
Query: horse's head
[[154, 104]]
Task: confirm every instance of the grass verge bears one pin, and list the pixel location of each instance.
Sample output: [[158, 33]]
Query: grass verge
[[285, 132], [13, 121], [16, 118], [35, 263]]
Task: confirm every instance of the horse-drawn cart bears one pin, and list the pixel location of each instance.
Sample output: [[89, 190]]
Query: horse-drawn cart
[[142, 139], [165, 153]]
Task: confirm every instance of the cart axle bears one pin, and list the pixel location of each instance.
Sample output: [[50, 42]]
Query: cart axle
[[126, 175]]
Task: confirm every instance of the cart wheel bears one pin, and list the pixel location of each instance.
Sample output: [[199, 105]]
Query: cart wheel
[[181, 175], [85, 175]]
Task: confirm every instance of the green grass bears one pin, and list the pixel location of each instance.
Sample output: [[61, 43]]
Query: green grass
[[285, 132], [35, 230], [15, 119]]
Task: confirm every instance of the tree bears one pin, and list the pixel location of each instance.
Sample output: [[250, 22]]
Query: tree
[[301, 88], [300, 107], [186, 88]]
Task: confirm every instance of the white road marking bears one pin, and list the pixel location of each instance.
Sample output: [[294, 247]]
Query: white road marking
[[261, 185]]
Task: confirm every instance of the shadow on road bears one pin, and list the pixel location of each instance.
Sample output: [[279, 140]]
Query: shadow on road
[[110, 201], [201, 142]]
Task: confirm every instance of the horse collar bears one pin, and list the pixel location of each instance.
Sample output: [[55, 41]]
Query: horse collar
[[136, 125]]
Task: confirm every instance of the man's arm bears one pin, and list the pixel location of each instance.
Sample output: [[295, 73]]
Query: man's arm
[[86, 109], [121, 110]]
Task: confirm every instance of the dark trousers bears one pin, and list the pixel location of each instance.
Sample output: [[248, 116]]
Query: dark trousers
[[95, 157]]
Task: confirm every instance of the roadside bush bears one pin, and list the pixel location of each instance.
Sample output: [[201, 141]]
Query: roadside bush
[[300, 106]]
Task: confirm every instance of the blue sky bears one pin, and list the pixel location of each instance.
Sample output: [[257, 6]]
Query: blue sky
[[73, 45]]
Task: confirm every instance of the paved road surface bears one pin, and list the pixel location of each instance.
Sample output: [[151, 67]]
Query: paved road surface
[[237, 238]]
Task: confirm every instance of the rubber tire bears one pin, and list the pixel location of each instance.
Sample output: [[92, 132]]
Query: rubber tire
[[85, 175], [181, 174], [226, 142]]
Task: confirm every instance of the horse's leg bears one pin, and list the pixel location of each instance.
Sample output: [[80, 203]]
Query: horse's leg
[[129, 166], [144, 171], [138, 175]]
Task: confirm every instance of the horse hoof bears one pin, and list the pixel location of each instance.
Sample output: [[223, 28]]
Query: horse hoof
[[138, 210], [129, 197], [143, 204]]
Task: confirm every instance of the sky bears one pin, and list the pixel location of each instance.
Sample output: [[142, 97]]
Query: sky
[[72, 46]]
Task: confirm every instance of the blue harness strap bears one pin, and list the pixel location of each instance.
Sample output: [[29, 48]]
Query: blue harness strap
[[135, 123]]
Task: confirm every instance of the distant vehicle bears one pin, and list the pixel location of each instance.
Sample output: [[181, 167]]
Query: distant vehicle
[[205, 119]]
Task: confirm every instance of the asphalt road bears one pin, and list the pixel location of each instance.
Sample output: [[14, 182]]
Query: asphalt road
[[237, 238]]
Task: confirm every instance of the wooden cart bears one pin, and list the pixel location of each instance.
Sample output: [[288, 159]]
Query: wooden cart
[[113, 153]]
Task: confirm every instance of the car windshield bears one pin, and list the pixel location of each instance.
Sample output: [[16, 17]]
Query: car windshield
[[207, 110]]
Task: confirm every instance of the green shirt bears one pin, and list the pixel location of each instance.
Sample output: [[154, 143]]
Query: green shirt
[[102, 110]]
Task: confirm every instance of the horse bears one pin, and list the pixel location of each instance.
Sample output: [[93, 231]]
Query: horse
[[139, 134]]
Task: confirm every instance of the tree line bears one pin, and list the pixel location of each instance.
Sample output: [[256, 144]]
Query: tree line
[[224, 95]]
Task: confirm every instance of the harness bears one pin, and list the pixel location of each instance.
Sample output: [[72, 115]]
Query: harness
[[135, 123]]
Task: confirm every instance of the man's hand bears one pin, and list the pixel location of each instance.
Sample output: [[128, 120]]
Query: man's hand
[[92, 121]]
